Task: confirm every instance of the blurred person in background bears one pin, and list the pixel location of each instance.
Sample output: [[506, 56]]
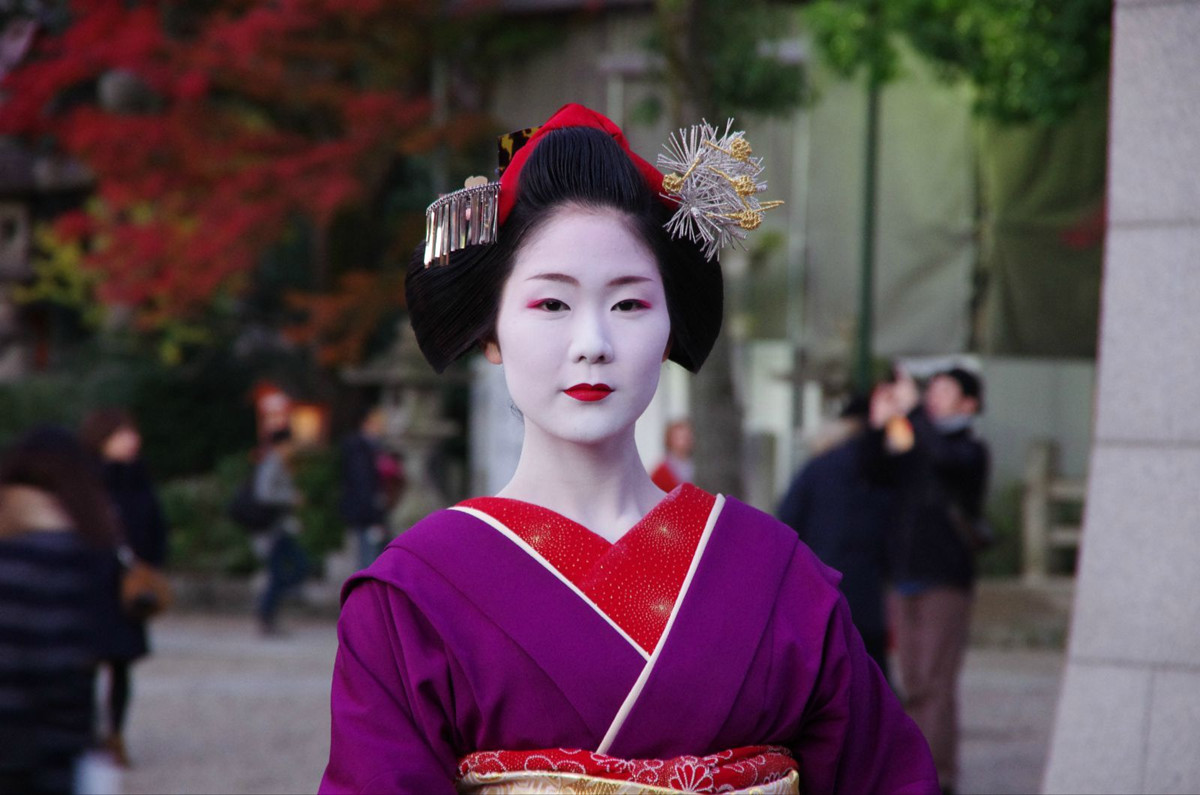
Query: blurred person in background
[[676, 466], [113, 437], [56, 532], [932, 551], [842, 504], [279, 546], [364, 501]]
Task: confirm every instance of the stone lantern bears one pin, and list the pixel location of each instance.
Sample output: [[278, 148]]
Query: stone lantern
[[414, 426]]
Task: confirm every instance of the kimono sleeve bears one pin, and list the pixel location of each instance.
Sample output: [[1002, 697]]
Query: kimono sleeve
[[390, 725], [857, 738]]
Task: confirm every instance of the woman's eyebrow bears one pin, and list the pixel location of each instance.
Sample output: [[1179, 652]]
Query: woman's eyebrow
[[554, 277], [566, 279], [620, 280]]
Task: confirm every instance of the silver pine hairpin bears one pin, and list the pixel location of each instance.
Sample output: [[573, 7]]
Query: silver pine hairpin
[[466, 217], [714, 179]]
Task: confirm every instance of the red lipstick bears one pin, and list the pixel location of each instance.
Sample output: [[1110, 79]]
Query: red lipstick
[[589, 393]]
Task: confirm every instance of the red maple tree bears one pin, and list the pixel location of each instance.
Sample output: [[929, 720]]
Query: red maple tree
[[210, 127]]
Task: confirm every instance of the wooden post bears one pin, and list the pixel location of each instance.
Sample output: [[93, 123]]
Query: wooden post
[[1035, 510]]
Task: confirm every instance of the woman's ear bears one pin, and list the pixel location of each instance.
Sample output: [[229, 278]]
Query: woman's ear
[[491, 351], [667, 352]]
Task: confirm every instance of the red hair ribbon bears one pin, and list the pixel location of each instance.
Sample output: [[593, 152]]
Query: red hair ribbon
[[570, 115]]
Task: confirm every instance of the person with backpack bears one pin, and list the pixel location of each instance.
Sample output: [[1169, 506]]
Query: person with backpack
[[277, 544]]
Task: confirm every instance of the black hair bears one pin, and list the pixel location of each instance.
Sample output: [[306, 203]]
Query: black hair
[[52, 459], [969, 383], [856, 407], [453, 307]]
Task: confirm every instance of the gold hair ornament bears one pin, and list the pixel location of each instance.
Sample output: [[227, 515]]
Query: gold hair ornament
[[466, 217], [714, 179]]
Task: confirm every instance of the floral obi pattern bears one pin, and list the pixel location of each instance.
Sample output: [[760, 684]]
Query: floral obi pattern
[[751, 769]]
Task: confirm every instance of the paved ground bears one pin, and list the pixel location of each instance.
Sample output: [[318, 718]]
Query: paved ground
[[219, 709]]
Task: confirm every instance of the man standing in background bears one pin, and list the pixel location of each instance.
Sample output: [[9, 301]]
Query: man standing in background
[[932, 549], [842, 504], [363, 502]]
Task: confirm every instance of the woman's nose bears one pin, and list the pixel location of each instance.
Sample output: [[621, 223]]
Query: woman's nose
[[591, 339]]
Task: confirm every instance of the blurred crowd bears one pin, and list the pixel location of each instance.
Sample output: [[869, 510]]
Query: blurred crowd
[[83, 548], [895, 503], [82, 544], [893, 500]]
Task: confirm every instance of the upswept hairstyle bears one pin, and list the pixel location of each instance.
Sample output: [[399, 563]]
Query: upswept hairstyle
[[453, 307]]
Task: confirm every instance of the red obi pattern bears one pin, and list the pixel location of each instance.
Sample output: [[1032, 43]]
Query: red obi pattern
[[635, 581], [759, 768]]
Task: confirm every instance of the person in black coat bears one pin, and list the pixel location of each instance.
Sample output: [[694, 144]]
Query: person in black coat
[[113, 436], [932, 552], [363, 499], [842, 505], [55, 528]]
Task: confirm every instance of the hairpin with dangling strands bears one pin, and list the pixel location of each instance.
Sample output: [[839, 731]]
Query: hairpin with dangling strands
[[466, 217]]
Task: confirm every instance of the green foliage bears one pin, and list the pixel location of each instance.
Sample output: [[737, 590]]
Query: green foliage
[[745, 75], [60, 277], [205, 539], [317, 475], [721, 55], [852, 35], [62, 397], [1003, 559], [38, 400], [1028, 60], [192, 416], [189, 416]]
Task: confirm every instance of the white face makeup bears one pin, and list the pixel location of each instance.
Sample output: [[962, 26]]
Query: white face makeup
[[583, 327]]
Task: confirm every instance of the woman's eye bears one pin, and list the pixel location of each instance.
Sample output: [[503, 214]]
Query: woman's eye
[[550, 305], [631, 305]]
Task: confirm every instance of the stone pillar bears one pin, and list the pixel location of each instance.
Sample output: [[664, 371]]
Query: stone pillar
[[1129, 712]]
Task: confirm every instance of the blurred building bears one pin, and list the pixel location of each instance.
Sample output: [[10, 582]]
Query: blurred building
[[1022, 299], [33, 189]]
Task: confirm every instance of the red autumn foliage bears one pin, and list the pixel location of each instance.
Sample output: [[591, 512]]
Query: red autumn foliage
[[236, 120], [338, 324]]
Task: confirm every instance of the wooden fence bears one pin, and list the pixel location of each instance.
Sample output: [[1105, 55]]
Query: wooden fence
[[1042, 527]]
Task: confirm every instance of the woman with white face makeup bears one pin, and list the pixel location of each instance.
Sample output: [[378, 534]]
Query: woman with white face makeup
[[582, 332], [582, 631]]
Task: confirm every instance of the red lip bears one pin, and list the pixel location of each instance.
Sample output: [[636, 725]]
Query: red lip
[[589, 393]]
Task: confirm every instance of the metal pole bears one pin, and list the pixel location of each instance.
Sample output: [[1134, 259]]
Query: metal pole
[[866, 297]]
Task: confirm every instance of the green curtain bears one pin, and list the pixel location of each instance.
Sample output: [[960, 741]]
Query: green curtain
[[1042, 212]]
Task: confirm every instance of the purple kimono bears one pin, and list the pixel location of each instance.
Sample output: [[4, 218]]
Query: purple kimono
[[461, 638]]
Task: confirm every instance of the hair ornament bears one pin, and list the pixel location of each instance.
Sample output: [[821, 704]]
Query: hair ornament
[[715, 181], [467, 217]]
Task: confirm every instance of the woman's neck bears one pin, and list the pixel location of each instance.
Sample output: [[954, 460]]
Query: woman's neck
[[603, 487]]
